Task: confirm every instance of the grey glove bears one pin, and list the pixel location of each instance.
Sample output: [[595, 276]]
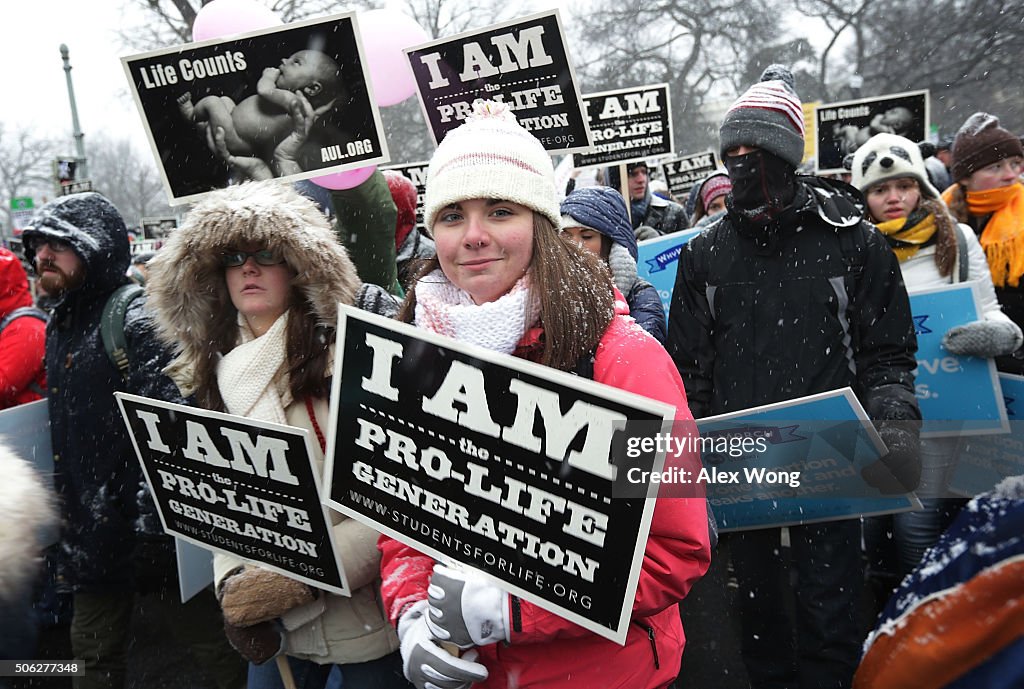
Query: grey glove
[[899, 471], [427, 665], [983, 338], [466, 609], [645, 232]]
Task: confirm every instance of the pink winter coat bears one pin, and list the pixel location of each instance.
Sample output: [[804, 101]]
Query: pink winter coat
[[547, 651]]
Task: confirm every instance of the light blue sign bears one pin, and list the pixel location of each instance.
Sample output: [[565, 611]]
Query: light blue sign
[[986, 460], [25, 429], [802, 463], [658, 262], [959, 395]]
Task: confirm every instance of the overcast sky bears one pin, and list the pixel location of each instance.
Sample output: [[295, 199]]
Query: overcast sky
[[35, 91]]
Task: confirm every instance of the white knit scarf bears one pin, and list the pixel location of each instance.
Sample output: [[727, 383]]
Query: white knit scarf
[[498, 325], [252, 378]]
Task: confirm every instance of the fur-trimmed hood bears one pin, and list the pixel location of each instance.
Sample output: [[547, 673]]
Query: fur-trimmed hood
[[27, 506], [186, 283]]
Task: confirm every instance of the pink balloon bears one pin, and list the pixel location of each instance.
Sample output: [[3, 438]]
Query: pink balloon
[[385, 34], [348, 179], [223, 18]]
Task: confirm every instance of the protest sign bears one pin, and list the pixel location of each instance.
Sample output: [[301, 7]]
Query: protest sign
[[685, 172], [843, 127], [244, 84], [523, 63], [628, 125], [493, 462], [243, 487], [25, 430], [959, 395], [658, 262], [806, 467], [417, 174], [986, 460], [810, 129], [158, 228]]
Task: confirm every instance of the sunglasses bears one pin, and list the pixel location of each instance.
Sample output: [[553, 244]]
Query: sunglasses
[[57, 246], [264, 257]]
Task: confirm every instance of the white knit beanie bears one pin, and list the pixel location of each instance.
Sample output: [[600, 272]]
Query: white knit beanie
[[490, 156], [888, 156]]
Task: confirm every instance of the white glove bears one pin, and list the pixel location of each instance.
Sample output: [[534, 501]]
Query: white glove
[[427, 665], [465, 609]]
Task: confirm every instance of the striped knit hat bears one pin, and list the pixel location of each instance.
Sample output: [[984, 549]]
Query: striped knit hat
[[490, 156], [769, 116]]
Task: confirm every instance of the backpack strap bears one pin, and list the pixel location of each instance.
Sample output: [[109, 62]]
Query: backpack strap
[[963, 263], [30, 311], [112, 324]]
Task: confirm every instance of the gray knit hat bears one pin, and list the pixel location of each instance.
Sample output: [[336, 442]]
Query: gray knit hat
[[769, 116]]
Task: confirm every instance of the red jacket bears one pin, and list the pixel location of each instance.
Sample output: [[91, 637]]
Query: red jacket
[[22, 342], [549, 651]]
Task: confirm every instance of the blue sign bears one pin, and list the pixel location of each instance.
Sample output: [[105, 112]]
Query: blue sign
[[658, 262], [987, 460], [800, 461], [959, 395]]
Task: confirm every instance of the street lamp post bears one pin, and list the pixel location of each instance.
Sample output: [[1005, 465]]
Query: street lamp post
[[83, 171]]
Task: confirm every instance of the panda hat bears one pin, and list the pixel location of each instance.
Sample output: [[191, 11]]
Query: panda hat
[[887, 156]]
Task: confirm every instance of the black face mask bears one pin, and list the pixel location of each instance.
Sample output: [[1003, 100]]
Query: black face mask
[[763, 185]]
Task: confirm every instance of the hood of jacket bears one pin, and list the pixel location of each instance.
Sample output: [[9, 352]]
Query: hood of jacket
[[186, 286], [13, 284], [94, 228], [836, 202], [27, 506]]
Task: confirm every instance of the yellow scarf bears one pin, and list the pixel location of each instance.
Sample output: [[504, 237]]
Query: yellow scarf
[[1003, 237], [907, 241]]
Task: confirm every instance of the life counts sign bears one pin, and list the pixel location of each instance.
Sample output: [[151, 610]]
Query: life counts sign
[[243, 84], [628, 125], [492, 462], [522, 63], [237, 485]]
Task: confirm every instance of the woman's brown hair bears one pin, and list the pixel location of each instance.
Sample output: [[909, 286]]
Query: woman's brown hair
[[574, 287], [307, 350]]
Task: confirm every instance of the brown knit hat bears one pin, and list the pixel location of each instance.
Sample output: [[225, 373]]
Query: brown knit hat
[[980, 142]]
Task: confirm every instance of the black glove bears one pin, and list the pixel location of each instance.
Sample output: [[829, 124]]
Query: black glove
[[898, 471], [258, 643], [983, 338]]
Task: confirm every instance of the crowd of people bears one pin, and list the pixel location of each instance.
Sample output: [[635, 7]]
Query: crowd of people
[[795, 285]]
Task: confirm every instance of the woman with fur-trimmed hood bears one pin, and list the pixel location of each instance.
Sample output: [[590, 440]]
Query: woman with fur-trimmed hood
[[933, 250], [247, 291]]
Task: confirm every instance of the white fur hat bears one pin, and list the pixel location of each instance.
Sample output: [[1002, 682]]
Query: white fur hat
[[490, 156], [887, 156]]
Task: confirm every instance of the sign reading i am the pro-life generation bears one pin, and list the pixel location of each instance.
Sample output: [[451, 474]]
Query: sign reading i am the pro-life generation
[[247, 87], [959, 395], [495, 463], [417, 174], [628, 125], [685, 172], [244, 487], [523, 63]]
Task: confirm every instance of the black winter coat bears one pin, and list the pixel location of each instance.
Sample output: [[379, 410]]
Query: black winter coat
[[97, 474], [812, 303]]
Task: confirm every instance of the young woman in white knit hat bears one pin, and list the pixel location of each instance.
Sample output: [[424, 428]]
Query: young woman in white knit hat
[[933, 250], [506, 280]]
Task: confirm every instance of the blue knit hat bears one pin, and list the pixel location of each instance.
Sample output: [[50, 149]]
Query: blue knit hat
[[601, 209]]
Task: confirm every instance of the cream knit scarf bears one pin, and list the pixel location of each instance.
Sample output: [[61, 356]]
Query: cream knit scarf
[[445, 309], [252, 378]]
